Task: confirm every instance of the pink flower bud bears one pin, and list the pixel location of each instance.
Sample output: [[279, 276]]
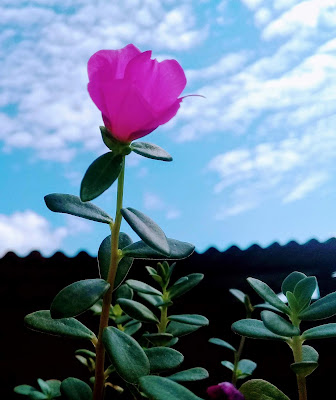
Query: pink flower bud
[[134, 93], [224, 391]]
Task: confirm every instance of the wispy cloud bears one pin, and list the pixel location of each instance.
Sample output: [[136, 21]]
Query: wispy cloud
[[308, 185]]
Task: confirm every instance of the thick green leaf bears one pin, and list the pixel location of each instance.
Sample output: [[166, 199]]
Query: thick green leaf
[[279, 325], [104, 256], [137, 310], [190, 375], [70, 204], [132, 327], [320, 332], [158, 388], [163, 358], [258, 389], [268, 294], [223, 343], [24, 389], [291, 281], [123, 292], [246, 367], [154, 300], [266, 306], [44, 387], [304, 290], [158, 339], [292, 302], [37, 396], [126, 355], [192, 319], [309, 354], [255, 329], [228, 364], [181, 329], [304, 368], [100, 175], [142, 287], [75, 389], [41, 321], [320, 309], [183, 286], [147, 230], [177, 250], [150, 150], [78, 297], [55, 387], [238, 294]]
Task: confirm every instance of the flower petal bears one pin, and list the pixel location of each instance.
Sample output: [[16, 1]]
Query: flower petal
[[160, 83], [224, 391], [126, 109]]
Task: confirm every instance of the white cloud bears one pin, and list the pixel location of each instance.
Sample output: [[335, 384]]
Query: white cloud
[[252, 4], [25, 231], [305, 187], [262, 16], [154, 202]]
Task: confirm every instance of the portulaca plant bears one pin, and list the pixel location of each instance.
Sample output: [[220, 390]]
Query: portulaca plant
[[135, 95], [283, 323]]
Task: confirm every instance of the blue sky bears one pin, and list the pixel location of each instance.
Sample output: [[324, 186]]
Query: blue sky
[[254, 161]]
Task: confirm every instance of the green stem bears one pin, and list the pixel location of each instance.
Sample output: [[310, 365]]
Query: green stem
[[98, 391], [164, 314], [301, 380], [237, 356]]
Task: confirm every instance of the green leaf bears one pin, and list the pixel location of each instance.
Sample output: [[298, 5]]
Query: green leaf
[[266, 306], [190, 375], [177, 250], [304, 368], [238, 294], [44, 386], [126, 355], [104, 256], [147, 229], [75, 389], [228, 364], [24, 389], [132, 328], [223, 343], [100, 175], [152, 299], [246, 367], [279, 325], [268, 294], [150, 150], [142, 287], [292, 302], [37, 396], [309, 354], [320, 309], [255, 329], [123, 292], [304, 290], [55, 387], [181, 329], [158, 339], [78, 297], [41, 321], [291, 281], [192, 319], [163, 358], [158, 388], [69, 204], [85, 353], [180, 287], [320, 332], [113, 144], [258, 389], [137, 310]]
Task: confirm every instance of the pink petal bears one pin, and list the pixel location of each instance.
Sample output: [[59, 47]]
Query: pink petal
[[159, 83], [126, 110], [110, 64]]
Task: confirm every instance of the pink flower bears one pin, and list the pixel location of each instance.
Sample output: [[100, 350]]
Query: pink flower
[[134, 93], [224, 391]]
